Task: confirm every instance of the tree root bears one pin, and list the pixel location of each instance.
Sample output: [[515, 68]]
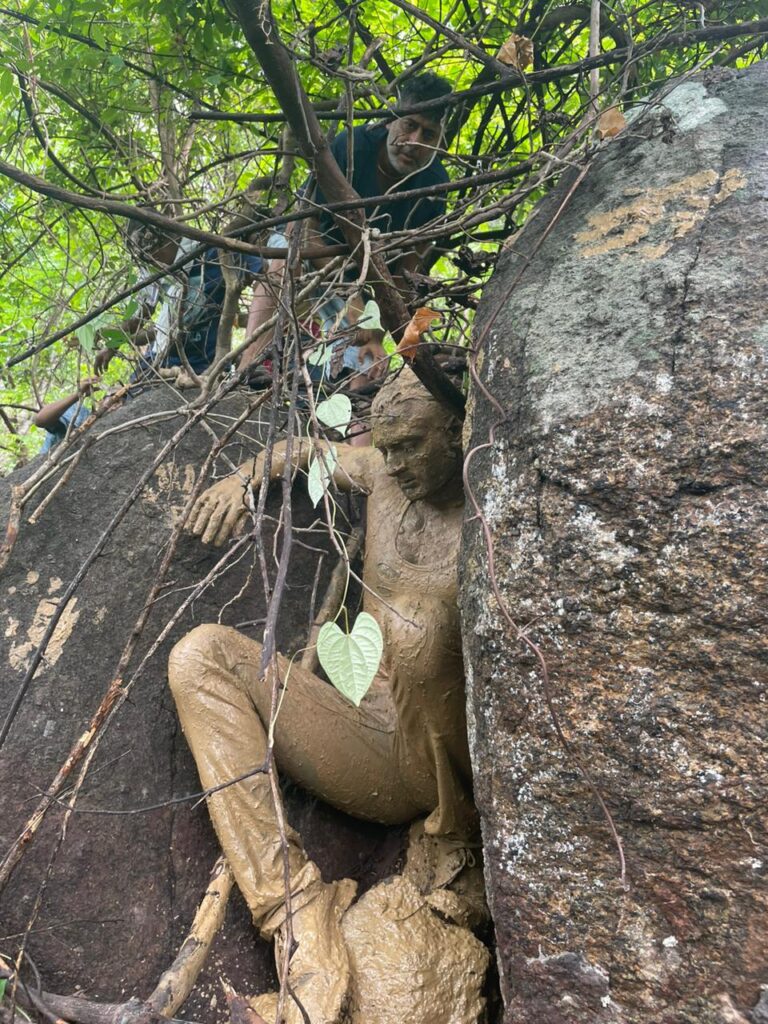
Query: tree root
[[177, 982]]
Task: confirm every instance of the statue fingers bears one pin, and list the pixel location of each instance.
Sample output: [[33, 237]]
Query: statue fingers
[[231, 520], [210, 535], [200, 514]]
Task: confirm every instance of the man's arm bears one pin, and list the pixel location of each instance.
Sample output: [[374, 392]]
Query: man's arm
[[264, 300], [263, 306], [219, 510], [48, 417], [138, 328]]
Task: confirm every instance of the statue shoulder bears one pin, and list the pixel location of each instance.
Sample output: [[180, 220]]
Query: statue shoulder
[[362, 467]]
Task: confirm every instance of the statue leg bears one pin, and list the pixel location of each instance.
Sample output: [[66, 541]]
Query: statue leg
[[325, 744]]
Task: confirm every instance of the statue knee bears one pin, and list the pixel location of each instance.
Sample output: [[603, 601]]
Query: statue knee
[[197, 648]]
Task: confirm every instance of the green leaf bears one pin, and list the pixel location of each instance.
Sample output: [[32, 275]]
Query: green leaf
[[390, 347], [98, 35], [320, 355], [6, 82], [86, 335], [114, 337], [335, 412], [370, 318], [351, 660], [3, 983], [320, 474]]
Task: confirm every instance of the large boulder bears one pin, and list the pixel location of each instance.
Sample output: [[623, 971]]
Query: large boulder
[[624, 337], [124, 889]]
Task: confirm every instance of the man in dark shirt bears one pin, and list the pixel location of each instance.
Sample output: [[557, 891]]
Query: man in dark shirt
[[390, 158], [396, 156]]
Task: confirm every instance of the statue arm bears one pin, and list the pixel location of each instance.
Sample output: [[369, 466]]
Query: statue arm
[[220, 509]]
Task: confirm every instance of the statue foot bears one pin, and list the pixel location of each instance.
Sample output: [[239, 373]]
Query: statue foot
[[449, 876], [410, 964], [319, 971]]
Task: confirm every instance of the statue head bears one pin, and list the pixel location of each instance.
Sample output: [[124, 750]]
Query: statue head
[[418, 438]]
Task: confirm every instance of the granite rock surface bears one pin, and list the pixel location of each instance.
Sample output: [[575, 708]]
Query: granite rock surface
[[623, 344]]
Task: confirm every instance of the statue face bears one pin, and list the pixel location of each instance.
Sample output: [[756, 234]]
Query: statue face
[[420, 447]]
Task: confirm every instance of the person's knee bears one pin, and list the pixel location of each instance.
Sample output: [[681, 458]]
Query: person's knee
[[198, 648]]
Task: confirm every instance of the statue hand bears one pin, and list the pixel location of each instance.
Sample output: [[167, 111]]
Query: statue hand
[[219, 510]]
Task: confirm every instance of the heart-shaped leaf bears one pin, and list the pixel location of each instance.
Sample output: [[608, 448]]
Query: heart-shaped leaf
[[517, 51], [351, 659], [610, 123], [370, 318], [335, 412], [319, 356], [320, 473], [419, 323]]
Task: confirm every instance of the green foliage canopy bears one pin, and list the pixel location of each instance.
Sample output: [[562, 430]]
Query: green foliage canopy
[[140, 102]]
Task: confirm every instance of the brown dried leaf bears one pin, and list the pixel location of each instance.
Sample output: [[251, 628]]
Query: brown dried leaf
[[419, 323], [610, 123], [517, 52]]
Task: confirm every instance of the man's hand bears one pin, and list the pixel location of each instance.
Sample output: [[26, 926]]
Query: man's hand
[[370, 343], [181, 379], [219, 510], [89, 385], [103, 358]]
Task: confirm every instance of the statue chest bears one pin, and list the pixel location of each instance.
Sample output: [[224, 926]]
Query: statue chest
[[411, 570]]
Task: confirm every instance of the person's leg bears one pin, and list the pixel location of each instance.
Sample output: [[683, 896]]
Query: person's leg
[[337, 751], [228, 739], [322, 741]]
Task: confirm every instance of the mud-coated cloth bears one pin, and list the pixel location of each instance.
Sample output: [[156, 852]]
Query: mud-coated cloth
[[342, 754]]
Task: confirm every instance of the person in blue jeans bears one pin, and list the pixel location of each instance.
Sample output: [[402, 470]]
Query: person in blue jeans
[[201, 308], [191, 304], [64, 415]]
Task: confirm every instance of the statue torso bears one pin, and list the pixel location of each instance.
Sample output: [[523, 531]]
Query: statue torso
[[411, 569]]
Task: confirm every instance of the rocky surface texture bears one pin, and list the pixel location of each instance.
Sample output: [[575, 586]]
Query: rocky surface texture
[[624, 492], [124, 889]]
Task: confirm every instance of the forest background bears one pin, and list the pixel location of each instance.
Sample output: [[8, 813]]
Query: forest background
[[108, 108]]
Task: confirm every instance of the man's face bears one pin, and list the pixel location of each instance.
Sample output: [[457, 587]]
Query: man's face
[[420, 449], [411, 142], [145, 247]]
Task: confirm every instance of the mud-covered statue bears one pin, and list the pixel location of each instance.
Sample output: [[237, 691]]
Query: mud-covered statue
[[353, 758]]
